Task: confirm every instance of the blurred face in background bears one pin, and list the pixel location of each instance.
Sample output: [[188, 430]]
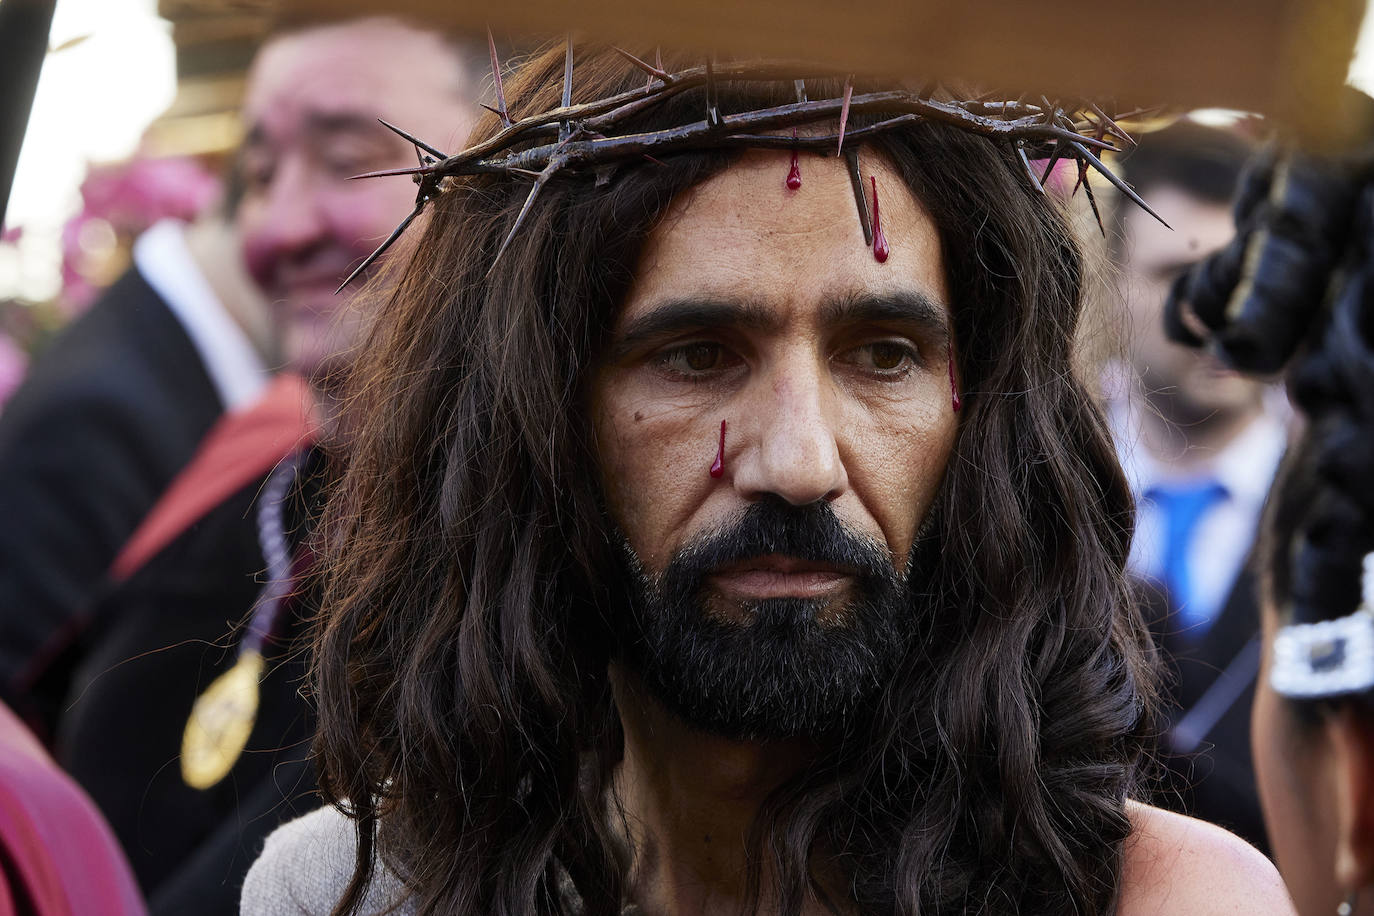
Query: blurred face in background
[[1189, 385], [311, 113]]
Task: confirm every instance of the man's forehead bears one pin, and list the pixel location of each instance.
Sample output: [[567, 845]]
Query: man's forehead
[[1199, 227], [743, 236], [357, 71]]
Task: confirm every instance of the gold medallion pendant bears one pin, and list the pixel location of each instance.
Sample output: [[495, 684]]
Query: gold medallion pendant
[[221, 721]]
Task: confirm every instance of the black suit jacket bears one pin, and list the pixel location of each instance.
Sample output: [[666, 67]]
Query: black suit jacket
[[109, 414], [1210, 772], [160, 639]]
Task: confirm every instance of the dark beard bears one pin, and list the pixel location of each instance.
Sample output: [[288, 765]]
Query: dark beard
[[786, 667]]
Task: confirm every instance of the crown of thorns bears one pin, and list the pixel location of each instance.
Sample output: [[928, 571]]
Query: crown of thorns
[[591, 136]]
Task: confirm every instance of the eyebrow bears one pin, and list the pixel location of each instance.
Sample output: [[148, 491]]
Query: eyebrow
[[678, 316], [908, 306], [326, 124]]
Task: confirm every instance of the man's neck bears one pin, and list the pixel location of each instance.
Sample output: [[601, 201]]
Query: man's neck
[[689, 801], [1187, 440]]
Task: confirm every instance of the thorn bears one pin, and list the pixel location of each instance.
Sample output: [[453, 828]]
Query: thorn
[[528, 173], [856, 181], [412, 139], [564, 128], [1092, 202], [411, 170], [712, 102], [1096, 141], [395, 234], [844, 113], [1117, 182], [490, 108], [654, 72], [658, 62], [496, 75], [549, 171], [1026, 163], [1149, 112], [1111, 125], [800, 86], [1049, 169], [655, 161]]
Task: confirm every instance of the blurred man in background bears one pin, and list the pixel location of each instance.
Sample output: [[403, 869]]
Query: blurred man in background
[[109, 414], [1200, 447], [186, 722]]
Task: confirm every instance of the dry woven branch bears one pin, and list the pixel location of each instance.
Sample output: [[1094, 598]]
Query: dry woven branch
[[593, 137]]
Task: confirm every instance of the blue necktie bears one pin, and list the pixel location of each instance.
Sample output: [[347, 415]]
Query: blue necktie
[[1183, 506]]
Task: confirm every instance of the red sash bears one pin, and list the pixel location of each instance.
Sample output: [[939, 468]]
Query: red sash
[[239, 449]]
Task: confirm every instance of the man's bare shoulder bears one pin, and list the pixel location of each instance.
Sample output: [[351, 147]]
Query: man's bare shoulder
[[1181, 866]]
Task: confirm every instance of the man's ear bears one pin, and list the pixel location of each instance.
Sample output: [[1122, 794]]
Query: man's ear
[[1351, 734]]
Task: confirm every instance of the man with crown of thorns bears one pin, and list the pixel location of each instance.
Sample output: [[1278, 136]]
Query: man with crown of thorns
[[726, 530]]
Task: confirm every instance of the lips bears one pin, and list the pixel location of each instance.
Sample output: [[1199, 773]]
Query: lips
[[780, 576]]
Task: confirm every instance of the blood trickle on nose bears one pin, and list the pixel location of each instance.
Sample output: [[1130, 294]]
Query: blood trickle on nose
[[718, 466], [880, 249]]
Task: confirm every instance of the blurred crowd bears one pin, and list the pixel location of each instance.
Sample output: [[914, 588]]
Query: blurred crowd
[[166, 453]]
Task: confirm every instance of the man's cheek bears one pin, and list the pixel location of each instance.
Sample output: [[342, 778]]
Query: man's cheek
[[256, 252]]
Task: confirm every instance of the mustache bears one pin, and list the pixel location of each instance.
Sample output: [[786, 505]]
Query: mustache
[[813, 533]]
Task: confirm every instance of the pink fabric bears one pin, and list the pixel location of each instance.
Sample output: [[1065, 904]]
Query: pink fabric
[[60, 857]]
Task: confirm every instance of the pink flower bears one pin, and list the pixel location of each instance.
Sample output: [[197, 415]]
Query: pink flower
[[1062, 179], [118, 203]]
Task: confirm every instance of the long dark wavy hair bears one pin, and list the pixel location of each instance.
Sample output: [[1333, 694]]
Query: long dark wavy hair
[[460, 668]]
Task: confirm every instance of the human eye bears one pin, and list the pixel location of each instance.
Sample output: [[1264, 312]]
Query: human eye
[[339, 164], [255, 171], [891, 358], [345, 158], [696, 360]]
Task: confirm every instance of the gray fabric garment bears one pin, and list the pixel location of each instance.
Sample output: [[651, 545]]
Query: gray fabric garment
[[305, 867], [306, 864]]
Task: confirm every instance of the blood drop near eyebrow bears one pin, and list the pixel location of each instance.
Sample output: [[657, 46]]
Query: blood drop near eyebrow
[[953, 383], [718, 466], [794, 174], [880, 250]]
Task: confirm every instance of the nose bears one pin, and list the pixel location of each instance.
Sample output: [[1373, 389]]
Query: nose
[[284, 224], [796, 450]]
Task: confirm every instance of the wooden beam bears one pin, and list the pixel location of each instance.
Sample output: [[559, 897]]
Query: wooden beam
[[1284, 58]]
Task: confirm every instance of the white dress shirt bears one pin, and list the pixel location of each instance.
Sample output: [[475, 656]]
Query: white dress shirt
[[1226, 532], [235, 369]]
